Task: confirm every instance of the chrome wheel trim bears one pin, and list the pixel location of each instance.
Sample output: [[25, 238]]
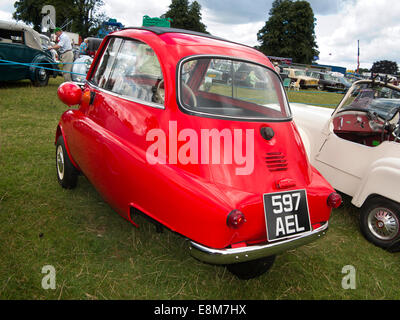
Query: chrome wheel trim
[[60, 162], [383, 224], [42, 74]]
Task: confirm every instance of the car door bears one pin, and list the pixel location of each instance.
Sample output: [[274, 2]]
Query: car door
[[343, 162], [110, 142], [13, 48]]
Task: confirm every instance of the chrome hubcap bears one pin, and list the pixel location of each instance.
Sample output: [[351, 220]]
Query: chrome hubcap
[[60, 162], [383, 224], [42, 74]]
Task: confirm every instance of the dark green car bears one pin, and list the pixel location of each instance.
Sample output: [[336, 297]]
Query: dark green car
[[22, 57]]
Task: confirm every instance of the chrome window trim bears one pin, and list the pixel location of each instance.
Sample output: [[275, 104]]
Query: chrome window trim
[[143, 102], [190, 111]]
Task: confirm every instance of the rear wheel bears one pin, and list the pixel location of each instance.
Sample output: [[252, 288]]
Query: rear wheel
[[67, 174], [251, 269], [380, 222]]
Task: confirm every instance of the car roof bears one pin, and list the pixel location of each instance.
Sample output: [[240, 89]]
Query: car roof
[[32, 37], [181, 43], [163, 30]]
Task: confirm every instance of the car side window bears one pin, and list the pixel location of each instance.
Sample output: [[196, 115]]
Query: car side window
[[11, 36], [130, 68]]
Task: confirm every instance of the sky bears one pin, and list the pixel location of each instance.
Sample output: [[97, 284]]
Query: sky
[[339, 24]]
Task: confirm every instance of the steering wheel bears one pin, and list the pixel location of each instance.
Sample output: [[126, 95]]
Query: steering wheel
[[160, 92], [191, 94]]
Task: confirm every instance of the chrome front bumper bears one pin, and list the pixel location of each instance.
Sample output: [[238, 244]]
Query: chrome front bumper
[[243, 254]]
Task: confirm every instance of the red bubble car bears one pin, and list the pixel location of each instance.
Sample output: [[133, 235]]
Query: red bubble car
[[196, 133]]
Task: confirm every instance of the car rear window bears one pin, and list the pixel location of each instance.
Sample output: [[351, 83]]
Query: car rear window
[[228, 88]]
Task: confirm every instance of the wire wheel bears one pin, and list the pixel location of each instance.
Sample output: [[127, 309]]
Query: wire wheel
[[383, 224], [380, 221]]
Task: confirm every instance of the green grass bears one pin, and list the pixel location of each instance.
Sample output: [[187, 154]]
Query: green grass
[[310, 96], [99, 255]]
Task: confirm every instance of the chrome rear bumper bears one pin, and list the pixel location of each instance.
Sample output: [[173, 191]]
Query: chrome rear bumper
[[243, 254]]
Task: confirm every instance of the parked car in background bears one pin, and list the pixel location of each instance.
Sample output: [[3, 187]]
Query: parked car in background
[[227, 70], [326, 81], [356, 148], [46, 42], [147, 135], [93, 46], [82, 62], [347, 84], [80, 68], [301, 78], [22, 56]]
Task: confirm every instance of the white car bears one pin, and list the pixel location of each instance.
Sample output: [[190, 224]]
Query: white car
[[356, 148]]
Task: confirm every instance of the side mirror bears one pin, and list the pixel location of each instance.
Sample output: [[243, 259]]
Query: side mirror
[[69, 93]]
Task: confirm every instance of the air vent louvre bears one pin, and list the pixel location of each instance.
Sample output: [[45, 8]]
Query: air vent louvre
[[276, 161]]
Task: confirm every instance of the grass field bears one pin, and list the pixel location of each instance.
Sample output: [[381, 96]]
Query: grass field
[[99, 255]]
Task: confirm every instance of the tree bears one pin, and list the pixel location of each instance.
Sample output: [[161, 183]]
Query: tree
[[185, 16], [289, 31], [84, 15], [384, 66], [29, 12]]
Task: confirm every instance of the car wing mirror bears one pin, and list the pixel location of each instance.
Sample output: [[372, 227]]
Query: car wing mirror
[[70, 93]]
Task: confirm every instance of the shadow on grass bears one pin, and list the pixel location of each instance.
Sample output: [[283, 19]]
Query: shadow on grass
[[15, 84]]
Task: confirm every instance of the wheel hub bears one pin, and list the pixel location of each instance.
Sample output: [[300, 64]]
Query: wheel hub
[[383, 224], [42, 74], [60, 162]]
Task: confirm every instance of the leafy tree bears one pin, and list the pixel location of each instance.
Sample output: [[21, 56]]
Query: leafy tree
[[185, 16], [289, 31], [384, 66], [29, 11], [84, 14]]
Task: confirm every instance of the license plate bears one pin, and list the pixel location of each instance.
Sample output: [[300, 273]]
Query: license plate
[[286, 214]]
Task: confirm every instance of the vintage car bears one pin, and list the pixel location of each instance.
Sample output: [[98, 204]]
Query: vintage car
[[326, 81], [356, 148], [80, 68], [344, 81], [224, 167], [46, 42], [300, 78], [93, 46], [22, 57]]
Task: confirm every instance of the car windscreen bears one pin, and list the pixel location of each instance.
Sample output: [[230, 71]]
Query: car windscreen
[[240, 90], [375, 98]]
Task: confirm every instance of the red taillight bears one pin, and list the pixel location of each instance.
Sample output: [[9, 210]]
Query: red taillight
[[334, 200], [235, 219]]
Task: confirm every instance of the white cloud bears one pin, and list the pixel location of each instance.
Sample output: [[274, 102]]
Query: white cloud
[[4, 15], [131, 13], [374, 23]]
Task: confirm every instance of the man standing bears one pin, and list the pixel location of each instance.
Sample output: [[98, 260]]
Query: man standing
[[65, 48]]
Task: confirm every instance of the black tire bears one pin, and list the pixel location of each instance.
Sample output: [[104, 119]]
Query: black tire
[[251, 269], [67, 174], [41, 77], [380, 222], [320, 87]]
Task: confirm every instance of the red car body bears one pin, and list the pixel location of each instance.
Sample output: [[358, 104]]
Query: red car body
[[105, 139]]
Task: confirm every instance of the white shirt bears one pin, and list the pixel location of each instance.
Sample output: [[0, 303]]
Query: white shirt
[[64, 43]]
